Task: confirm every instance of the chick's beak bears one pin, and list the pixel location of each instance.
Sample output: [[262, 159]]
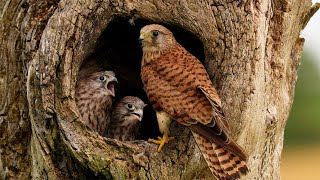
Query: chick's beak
[[141, 37], [111, 86], [138, 113]]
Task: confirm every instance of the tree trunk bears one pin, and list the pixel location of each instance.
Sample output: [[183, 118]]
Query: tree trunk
[[251, 50]]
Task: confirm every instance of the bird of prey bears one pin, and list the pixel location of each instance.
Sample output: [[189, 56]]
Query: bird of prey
[[94, 95], [126, 116], [179, 88]]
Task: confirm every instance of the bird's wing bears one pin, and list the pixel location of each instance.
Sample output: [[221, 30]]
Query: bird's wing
[[162, 95], [204, 84], [216, 105], [181, 80], [180, 85], [218, 129], [170, 88]]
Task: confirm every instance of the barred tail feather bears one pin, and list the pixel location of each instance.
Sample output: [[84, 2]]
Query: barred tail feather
[[223, 164]]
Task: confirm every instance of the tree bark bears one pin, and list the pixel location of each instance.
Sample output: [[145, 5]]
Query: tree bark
[[252, 51]]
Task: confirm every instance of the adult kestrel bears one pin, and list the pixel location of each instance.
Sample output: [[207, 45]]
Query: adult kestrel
[[94, 99], [126, 116], [179, 88]]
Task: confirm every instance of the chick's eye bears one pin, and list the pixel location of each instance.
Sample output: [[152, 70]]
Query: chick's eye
[[155, 33], [130, 106], [103, 78]]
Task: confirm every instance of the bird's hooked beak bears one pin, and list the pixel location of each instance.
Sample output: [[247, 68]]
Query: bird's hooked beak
[[111, 84], [138, 113], [142, 37]]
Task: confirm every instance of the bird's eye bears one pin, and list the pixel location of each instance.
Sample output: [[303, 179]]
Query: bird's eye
[[130, 106], [155, 33], [103, 78]]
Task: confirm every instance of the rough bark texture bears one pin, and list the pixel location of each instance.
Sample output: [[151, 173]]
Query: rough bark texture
[[252, 52]]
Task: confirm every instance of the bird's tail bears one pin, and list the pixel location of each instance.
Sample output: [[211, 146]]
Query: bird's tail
[[223, 164]]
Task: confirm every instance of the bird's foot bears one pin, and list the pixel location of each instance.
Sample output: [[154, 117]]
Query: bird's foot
[[161, 141]]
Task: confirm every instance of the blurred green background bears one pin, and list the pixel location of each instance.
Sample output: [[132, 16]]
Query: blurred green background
[[304, 120], [301, 154]]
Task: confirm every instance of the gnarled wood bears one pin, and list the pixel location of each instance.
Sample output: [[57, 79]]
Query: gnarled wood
[[252, 50]]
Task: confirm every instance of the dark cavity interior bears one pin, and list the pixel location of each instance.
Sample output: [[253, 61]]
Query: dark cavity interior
[[118, 49]]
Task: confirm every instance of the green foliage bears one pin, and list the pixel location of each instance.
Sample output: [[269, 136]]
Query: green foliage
[[303, 126]]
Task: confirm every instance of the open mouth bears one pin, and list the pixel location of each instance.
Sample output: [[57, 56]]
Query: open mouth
[[111, 86]]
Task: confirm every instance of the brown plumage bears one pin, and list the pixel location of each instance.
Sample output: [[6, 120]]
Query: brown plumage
[[179, 88], [125, 120], [94, 99]]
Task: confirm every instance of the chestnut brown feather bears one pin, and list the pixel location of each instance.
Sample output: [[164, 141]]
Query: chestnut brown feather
[[179, 88]]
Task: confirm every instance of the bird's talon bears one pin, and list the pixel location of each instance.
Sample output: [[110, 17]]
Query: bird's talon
[[153, 141], [161, 141]]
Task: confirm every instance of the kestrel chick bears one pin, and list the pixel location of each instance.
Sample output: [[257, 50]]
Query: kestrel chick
[[179, 88], [125, 120], [94, 99]]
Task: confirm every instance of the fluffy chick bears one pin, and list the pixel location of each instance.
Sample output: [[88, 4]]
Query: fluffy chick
[[125, 119], [94, 96]]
